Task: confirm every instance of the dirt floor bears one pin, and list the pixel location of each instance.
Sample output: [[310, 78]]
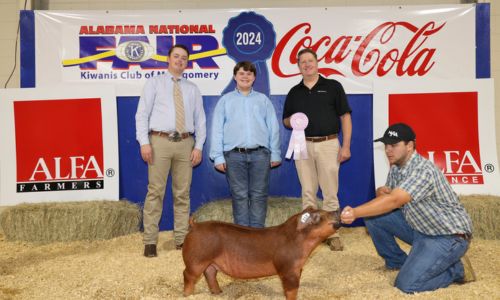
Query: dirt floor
[[116, 269]]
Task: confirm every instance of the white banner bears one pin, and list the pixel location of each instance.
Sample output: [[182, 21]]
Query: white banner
[[355, 45], [455, 126], [57, 146]]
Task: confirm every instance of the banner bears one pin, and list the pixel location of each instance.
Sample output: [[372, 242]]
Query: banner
[[355, 45], [58, 144], [455, 126]]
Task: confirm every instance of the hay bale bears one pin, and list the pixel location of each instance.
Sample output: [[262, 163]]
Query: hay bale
[[70, 221], [278, 210], [484, 211]]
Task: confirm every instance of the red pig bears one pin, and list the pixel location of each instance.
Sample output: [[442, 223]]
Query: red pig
[[245, 252]]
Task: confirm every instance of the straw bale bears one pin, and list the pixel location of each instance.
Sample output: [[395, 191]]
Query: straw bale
[[484, 211], [279, 209], [70, 221]]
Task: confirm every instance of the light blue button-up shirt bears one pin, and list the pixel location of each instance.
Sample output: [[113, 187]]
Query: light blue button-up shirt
[[156, 109], [244, 122]]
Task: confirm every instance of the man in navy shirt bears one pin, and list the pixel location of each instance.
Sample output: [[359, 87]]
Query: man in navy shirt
[[324, 102]]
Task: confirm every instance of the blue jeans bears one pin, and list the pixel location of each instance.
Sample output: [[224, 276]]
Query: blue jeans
[[248, 177], [433, 261]]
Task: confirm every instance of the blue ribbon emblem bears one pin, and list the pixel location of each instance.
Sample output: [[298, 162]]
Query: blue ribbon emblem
[[251, 37]]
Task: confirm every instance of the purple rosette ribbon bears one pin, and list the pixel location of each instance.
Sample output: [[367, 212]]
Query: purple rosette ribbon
[[297, 144]]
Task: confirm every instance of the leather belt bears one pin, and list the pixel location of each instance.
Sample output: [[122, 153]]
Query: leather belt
[[246, 150], [465, 236], [173, 136], [316, 139]]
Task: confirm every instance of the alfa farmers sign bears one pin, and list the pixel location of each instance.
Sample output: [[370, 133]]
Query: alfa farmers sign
[[454, 124], [57, 146]]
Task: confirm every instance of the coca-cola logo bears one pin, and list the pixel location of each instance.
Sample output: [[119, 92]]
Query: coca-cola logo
[[397, 48]]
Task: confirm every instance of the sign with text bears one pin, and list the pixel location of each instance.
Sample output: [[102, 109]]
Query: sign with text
[[355, 45], [58, 146], [455, 127]]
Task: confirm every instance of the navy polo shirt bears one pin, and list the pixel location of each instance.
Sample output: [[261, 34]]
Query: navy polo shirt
[[323, 104]]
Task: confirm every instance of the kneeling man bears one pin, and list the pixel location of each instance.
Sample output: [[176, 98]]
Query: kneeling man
[[418, 206]]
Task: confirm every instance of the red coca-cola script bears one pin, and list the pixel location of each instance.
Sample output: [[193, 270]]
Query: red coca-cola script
[[377, 53]]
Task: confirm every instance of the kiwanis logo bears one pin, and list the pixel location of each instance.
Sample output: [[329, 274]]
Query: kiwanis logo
[[59, 145], [134, 51]]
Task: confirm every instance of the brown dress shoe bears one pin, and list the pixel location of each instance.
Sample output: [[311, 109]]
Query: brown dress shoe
[[150, 250]]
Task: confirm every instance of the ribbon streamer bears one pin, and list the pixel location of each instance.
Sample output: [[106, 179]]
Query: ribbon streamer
[[297, 144]]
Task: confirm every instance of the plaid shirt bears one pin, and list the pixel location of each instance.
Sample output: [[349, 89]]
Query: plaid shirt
[[434, 208]]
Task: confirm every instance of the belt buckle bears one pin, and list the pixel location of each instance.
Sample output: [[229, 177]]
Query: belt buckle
[[174, 136]]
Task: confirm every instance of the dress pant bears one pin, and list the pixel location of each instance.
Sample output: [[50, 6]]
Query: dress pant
[[321, 169], [175, 157]]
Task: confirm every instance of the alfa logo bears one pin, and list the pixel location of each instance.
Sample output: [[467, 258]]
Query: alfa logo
[[448, 137], [59, 145]]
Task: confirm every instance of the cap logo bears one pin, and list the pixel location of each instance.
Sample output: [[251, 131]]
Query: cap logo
[[392, 133]]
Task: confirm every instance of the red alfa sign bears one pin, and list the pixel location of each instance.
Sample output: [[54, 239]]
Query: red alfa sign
[[59, 145], [446, 125]]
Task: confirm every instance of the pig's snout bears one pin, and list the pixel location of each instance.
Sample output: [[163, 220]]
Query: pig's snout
[[335, 219]]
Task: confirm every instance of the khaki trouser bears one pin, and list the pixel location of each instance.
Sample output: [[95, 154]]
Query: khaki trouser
[[321, 169], [168, 156]]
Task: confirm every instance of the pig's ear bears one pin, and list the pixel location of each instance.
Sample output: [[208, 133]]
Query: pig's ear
[[308, 209], [306, 219]]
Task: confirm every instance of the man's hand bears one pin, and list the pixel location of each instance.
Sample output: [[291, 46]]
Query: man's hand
[[147, 153], [195, 157], [221, 167], [344, 154], [275, 163], [347, 216], [286, 122], [345, 150], [383, 190]]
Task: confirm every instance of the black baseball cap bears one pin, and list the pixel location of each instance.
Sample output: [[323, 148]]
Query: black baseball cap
[[396, 133]]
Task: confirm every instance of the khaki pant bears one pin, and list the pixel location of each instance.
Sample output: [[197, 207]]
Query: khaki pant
[[321, 169], [168, 156]]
